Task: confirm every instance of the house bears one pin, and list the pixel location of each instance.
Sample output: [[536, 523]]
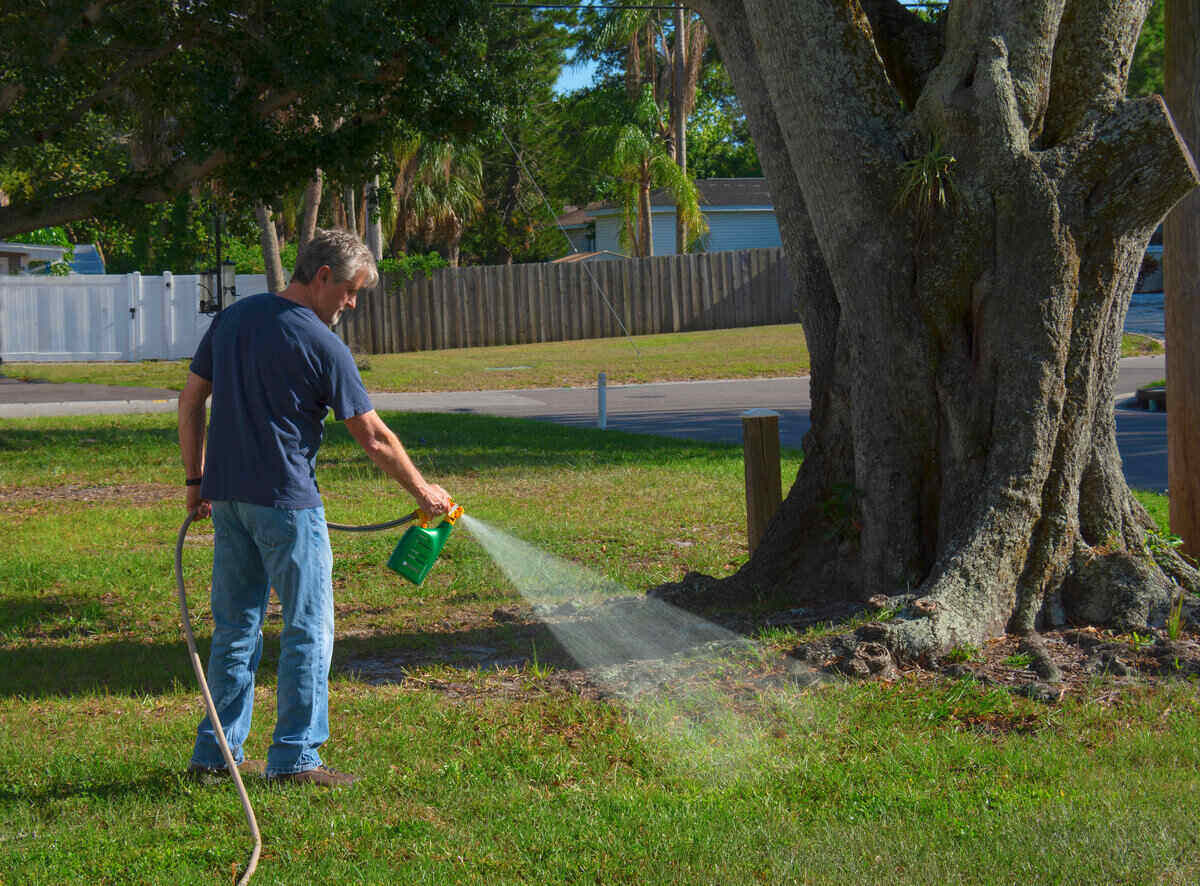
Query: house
[[29, 258], [739, 213]]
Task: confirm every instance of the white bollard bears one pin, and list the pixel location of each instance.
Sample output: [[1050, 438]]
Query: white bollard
[[602, 401]]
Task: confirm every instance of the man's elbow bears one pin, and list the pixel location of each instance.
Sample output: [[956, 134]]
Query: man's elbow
[[191, 402], [377, 443]]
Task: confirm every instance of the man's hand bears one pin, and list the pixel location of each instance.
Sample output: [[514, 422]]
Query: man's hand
[[434, 500], [199, 508]]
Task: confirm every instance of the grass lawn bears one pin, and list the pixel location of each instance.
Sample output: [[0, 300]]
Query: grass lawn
[[758, 352], [1137, 345], [505, 774]]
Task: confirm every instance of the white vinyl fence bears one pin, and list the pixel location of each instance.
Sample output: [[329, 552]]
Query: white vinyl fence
[[108, 317]]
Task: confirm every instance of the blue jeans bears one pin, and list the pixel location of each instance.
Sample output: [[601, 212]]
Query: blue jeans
[[257, 548]]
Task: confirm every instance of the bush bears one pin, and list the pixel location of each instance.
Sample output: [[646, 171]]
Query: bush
[[405, 267], [249, 260]]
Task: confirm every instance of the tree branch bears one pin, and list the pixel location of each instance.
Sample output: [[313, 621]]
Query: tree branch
[[833, 101], [88, 16], [909, 46], [1018, 36], [1136, 166], [109, 88], [9, 95], [133, 190], [1095, 46]]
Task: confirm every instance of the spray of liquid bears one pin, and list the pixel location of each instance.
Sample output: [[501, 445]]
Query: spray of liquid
[[677, 673]]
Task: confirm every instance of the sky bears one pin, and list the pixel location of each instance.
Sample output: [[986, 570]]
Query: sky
[[573, 77]]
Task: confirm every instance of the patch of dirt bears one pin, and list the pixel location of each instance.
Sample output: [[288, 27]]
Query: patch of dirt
[[126, 493], [1070, 661], [511, 653]]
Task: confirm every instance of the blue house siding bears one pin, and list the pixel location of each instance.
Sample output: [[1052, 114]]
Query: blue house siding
[[607, 229], [749, 228], [663, 231], [729, 228]]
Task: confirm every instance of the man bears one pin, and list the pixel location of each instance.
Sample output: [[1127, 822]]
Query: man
[[274, 368]]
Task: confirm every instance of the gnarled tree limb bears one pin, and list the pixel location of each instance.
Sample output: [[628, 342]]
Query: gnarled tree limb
[[1091, 62], [1135, 167]]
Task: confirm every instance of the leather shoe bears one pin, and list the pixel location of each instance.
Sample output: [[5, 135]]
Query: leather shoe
[[322, 775], [207, 774]]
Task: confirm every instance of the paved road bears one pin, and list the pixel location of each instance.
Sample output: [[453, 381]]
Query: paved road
[[709, 410]]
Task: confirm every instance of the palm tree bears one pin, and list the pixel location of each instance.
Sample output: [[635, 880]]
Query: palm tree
[[437, 190], [669, 68], [640, 161]]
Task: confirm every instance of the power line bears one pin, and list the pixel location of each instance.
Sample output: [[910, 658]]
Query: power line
[[571, 243], [579, 6]]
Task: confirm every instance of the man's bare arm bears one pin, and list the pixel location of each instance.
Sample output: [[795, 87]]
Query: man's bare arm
[[385, 450], [192, 425]]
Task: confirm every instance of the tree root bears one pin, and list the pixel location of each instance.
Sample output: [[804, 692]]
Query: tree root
[[1040, 660]]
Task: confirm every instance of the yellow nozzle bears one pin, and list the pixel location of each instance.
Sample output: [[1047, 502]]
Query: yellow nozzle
[[451, 517]]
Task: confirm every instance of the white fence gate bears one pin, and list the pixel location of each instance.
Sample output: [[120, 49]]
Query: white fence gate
[[110, 317]]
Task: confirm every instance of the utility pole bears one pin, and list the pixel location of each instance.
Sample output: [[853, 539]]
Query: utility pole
[[680, 125]]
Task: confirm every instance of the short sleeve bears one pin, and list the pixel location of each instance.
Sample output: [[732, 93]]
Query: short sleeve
[[346, 392], [202, 360]]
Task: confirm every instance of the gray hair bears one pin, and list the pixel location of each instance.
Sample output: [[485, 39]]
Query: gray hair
[[343, 251]]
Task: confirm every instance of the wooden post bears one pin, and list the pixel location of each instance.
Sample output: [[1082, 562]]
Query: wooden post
[[764, 492]]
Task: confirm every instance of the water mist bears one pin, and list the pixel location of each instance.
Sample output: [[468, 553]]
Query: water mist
[[674, 671]]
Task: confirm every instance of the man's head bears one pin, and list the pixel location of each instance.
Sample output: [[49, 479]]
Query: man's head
[[334, 265]]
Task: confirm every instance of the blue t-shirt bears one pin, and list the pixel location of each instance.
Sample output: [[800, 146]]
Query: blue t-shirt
[[276, 370]]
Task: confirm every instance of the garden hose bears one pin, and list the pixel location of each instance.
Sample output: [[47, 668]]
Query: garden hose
[[211, 708]]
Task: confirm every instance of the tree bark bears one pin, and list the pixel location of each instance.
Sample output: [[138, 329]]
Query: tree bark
[[645, 214], [373, 223], [1181, 282], [270, 248], [980, 196], [348, 203], [312, 205]]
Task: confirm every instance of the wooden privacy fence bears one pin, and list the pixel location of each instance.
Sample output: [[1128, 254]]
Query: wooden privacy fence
[[520, 304]]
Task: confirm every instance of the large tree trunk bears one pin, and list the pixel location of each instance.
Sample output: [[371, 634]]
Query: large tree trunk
[[1181, 283], [963, 456]]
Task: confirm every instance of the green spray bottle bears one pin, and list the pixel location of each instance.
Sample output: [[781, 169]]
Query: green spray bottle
[[419, 547]]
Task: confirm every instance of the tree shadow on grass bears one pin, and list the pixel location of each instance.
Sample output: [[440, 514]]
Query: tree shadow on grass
[[125, 667], [459, 443], [455, 443], [51, 616], [160, 782], [620, 631], [120, 442]]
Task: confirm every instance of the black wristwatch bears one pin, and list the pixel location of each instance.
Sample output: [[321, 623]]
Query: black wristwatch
[[193, 481]]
